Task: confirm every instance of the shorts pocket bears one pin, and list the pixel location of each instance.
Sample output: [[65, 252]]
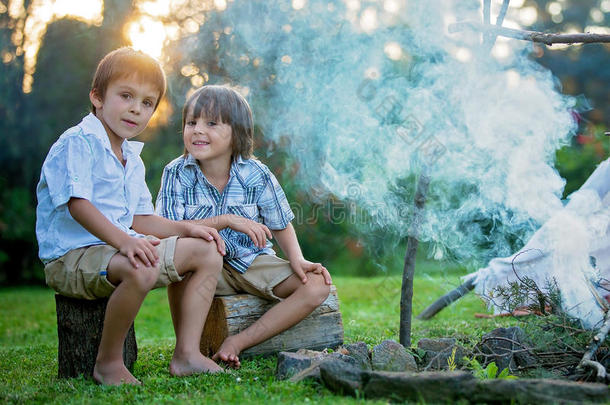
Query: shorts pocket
[[97, 285]]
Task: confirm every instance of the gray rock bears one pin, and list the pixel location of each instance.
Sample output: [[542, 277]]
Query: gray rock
[[360, 352], [438, 351], [429, 387], [342, 377], [392, 356], [507, 347], [436, 345], [289, 364], [541, 391], [311, 373], [297, 374]]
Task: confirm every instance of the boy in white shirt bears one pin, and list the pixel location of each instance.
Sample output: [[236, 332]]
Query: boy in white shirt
[[94, 209]]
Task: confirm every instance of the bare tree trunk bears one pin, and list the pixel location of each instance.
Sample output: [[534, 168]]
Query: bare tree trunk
[[408, 272]]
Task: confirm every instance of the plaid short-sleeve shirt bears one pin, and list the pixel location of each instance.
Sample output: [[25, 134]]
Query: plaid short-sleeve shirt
[[252, 192]]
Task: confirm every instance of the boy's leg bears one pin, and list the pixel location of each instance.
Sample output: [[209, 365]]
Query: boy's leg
[[300, 301], [121, 310], [190, 299]]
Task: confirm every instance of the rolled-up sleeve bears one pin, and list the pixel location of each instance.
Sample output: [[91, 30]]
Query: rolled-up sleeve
[[170, 201], [68, 171], [273, 204], [145, 205]]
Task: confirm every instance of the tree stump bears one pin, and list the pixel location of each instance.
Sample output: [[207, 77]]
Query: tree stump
[[231, 314], [79, 331]]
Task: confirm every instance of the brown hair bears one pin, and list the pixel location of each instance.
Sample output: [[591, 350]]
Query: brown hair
[[225, 104], [124, 62]]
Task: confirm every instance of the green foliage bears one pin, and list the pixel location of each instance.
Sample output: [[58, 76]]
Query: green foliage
[[577, 161], [451, 360], [488, 373]]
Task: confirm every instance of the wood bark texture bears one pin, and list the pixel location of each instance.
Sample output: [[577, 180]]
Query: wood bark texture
[[408, 271], [231, 314], [79, 330]]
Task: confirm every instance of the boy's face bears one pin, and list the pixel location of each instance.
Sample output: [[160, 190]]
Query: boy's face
[[126, 107], [207, 139]]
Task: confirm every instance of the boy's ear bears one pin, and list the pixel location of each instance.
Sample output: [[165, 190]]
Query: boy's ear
[[95, 99]]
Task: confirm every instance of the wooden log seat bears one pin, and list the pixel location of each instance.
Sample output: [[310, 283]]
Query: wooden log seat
[[79, 330], [231, 314]]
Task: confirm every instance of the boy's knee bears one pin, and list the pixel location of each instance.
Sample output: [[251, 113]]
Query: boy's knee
[[201, 251], [144, 278], [317, 289], [208, 251]]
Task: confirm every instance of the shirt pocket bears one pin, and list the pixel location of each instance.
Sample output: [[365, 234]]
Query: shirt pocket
[[197, 211], [249, 211]]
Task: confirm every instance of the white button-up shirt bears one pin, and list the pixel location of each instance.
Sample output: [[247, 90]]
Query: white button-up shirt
[[81, 164]]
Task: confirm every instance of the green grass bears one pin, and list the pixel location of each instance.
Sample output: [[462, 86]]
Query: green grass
[[370, 308]]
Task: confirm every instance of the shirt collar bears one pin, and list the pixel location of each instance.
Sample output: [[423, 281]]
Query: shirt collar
[[191, 161], [92, 125]]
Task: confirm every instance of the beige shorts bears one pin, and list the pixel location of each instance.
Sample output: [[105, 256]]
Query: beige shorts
[[265, 272], [82, 273]]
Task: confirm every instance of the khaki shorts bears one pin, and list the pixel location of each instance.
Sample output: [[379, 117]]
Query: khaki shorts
[[82, 273], [265, 272]]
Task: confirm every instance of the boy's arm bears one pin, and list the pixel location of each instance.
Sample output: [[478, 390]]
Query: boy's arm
[[87, 215], [219, 222], [288, 242], [163, 228], [256, 231]]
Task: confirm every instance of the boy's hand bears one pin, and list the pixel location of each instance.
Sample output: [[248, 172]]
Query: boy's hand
[[256, 231], [141, 248], [207, 233], [301, 267]]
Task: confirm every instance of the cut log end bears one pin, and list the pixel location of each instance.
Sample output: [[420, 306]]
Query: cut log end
[[232, 314]]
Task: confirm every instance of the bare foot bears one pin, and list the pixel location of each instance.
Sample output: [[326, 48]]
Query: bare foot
[[192, 364], [114, 373], [228, 353]]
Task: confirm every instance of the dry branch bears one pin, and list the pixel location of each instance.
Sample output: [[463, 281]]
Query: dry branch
[[486, 11], [446, 299], [597, 341], [408, 272], [533, 36], [490, 38]]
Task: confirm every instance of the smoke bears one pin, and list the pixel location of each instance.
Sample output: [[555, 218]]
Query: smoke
[[367, 99], [571, 235]]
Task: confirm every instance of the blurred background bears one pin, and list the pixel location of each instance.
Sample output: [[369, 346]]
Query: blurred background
[[49, 51]]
